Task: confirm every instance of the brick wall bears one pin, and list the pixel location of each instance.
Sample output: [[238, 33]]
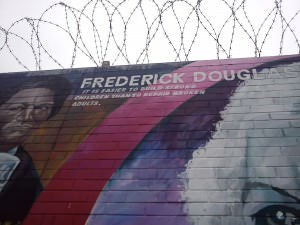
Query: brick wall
[[227, 155]]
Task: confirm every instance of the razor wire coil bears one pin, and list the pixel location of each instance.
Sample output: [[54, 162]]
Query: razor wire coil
[[140, 31]]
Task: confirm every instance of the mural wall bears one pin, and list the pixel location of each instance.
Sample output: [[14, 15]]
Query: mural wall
[[207, 142]]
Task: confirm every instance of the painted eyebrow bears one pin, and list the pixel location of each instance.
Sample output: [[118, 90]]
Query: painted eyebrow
[[45, 103], [24, 103], [260, 184], [285, 193]]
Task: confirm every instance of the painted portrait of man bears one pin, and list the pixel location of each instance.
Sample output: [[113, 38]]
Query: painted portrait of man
[[23, 109], [249, 171]]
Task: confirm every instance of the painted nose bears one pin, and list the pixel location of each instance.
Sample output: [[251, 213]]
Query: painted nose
[[27, 114]]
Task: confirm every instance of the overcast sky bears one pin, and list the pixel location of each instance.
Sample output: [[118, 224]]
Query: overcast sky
[[60, 46]]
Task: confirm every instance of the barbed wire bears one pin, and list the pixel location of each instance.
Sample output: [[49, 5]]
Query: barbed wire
[[146, 31]]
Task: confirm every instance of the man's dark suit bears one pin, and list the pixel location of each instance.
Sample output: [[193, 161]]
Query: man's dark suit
[[20, 191]]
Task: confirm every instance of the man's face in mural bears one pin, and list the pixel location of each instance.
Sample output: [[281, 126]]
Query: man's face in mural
[[22, 112], [248, 185], [252, 163]]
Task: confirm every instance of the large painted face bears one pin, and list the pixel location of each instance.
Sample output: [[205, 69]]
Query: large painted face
[[249, 172], [24, 111]]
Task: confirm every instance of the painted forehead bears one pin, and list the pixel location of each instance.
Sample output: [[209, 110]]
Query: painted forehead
[[258, 134], [32, 95]]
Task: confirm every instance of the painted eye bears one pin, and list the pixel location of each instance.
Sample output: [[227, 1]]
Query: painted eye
[[42, 108], [277, 215], [280, 215], [16, 108]]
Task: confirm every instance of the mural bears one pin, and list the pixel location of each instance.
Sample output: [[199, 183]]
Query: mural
[[204, 142]]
